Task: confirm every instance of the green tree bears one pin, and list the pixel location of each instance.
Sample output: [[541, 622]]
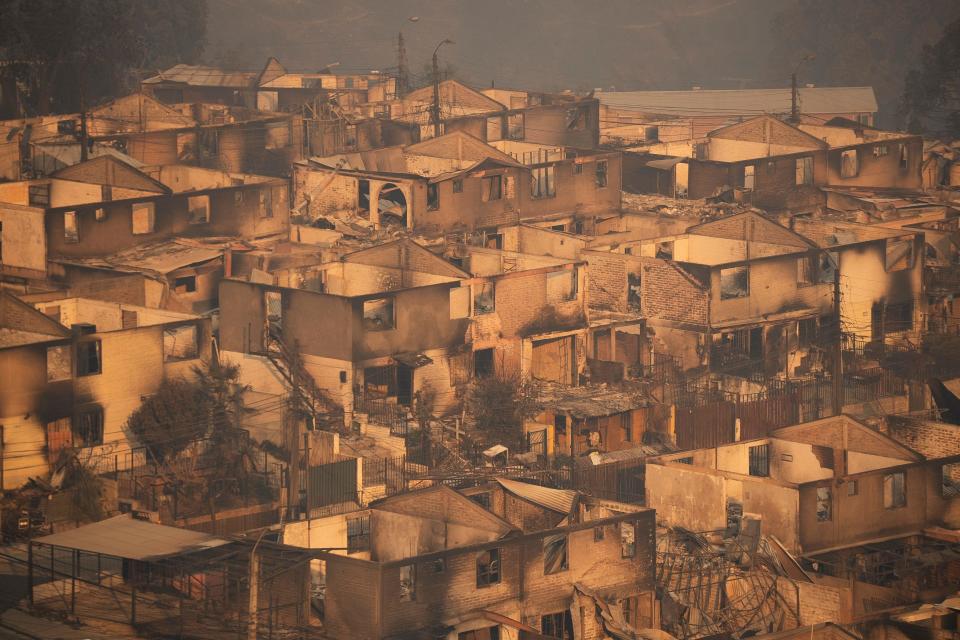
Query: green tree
[[931, 98]]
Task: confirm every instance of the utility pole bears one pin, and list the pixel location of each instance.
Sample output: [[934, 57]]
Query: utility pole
[[794, 91], [403, 72], [435, 107], [837, 374], [84, 136]]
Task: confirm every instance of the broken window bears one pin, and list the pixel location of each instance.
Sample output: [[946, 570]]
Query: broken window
[[898, 317], [71, 227], [633, 290], [849, 164], [806, 271], [488, 568], [853, 488], [665, 250], [734, 282], [199, 208], [265, 205], [894, 490], [950, 480], [598, 534], [180, 343], [542, 183], [433, 196], [144, 217], [483, 362], [484, 298], [626, 423], [408, 583], [899, 254], [554, 554], [577, 168], [88, 427], [273, 312], [482, 499], [515, 126], [628, 539], [88, 358], [185, 284], [880, 150], [806, 331], [557, 625], [487, 633], [748, 176], [804, 171], [824, 504], [577, 118], [904, 157], [494, 128], [378, 314], [601, 175], [492, 188], [458, 185], [358, 534], [701, 150], [759, 460], [828, 267], [58, 363]]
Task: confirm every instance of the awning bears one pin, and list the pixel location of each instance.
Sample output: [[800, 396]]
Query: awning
[[412, 359]]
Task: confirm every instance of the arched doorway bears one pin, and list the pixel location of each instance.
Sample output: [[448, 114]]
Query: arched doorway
[[392, 205]]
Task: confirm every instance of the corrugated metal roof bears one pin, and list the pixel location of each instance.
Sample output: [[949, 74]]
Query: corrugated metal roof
[[827, 100], [162, 258], [559, 500], [125, 537], [200, 76]]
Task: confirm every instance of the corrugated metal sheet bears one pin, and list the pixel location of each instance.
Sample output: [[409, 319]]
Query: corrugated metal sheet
[[830, 100], [125, 537], [200, 76], [559, 500]]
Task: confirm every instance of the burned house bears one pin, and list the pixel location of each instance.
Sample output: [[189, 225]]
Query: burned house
[[395, 319], [500, 560], [104, 206], [777, 165], [458, 183], [75, 369]]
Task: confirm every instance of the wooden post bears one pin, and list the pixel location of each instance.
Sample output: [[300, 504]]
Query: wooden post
[[30, 569]]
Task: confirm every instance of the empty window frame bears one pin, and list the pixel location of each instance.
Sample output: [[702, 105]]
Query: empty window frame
[[180, 343], [458, 185], [408, 583], [849, 164], [199, 209], [853, 488], [895, 490], [598, 534], [492, 188], [898, 317], [88, 427], [664, 250], [71, 227], [358, 534], [185, 284], [484, 298], [433, 196], [273, 312], [89, 360], [482, 499], [807, 331], [378, 314], [628, 539], [950, 480], [749, 176], [601, 174], [759, 460], [554, 554], [899, 254], [824, 504], [143, 217], [880, 150], [515, 126], [734, 282], [542, 182], [904, 157], [557, 625], [488, 568], [265, 203], [806, 271], [59, 365], [804, 169]]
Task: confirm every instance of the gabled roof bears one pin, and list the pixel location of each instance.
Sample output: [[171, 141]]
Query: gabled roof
[[107, 170], [769, 130], [751, 226], [450, 505], [460, 146], [271, 71], [404, 253], [846, 433], [455, 92], [21, 323], [136, 112]]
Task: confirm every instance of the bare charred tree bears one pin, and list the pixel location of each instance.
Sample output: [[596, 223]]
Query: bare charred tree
[[497, 406]]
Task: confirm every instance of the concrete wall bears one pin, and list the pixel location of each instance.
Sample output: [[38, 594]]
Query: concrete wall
[[23, 237]]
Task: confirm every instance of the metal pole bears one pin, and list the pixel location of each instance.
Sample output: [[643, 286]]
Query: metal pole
[[73, 580], [837, 343], [30, 569], [794, 110], [435, 108]]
